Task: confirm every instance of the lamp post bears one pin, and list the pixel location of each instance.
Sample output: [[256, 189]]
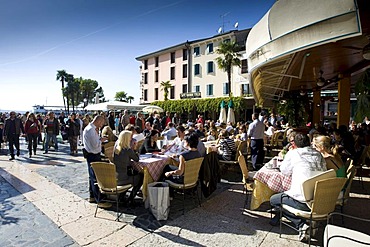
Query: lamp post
[[85, 102]]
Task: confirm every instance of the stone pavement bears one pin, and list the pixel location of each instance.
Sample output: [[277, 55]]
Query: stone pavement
[[43, 204]]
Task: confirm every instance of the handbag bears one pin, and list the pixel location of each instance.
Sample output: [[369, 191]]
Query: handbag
[[159, 200]]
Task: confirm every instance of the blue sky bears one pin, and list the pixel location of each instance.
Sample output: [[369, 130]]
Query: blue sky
[[99, 40]]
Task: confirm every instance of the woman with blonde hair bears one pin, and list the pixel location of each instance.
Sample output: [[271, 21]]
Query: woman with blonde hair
[[333, 161], [122, 155]]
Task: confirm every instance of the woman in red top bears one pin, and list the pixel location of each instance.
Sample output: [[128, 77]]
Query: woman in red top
[[32, 129]]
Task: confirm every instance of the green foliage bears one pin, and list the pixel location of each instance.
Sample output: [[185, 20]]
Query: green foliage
[[201, 105], [294, 110], [362, 90], [165, 86], [121, 96]]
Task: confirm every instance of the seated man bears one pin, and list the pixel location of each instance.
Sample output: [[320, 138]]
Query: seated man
[[169, 132], [301, 163]]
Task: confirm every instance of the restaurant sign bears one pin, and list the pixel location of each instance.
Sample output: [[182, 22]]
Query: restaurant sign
[[190, 95]]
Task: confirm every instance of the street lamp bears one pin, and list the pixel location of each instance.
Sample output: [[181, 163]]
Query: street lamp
[[85, 102]]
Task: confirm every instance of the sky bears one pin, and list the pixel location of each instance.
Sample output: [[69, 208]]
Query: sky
[[99, 40]]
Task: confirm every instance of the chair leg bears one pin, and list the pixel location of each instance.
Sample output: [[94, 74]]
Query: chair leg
[[96, 209], [200, 205], [280, 220], [117, 208]]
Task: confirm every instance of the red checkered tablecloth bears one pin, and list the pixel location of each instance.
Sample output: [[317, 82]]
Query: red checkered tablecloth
[[274, 179], [155, 165]]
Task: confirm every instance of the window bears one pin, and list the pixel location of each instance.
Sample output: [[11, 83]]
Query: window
[[210, 48], [197, 88], [209, 90], [225, 88], [196, 69], [172, 76], [156, 76], [172, 57], [184, 88], [226, 40], [246, 89], [145, 94], [156, 61], [185, 54], [210, 67], [244, 66], [184, 71], [145, 64], [155, 93], [196, 51], [145, 78], [172, 92]]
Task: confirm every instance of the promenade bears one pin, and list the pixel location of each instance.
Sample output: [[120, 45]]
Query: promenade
[[43, 203]]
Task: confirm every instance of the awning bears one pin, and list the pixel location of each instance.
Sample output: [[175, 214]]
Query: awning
[[281, 47]]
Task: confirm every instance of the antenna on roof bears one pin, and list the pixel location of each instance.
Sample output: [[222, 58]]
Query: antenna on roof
[[219, 30], [223, 22]]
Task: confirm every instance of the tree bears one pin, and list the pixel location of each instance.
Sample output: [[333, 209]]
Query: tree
[[87, 87], [130, 99], [62, 76], [165, 86], [121, 96], [73, 91], [362, 91], [230, 57], [69, 79]]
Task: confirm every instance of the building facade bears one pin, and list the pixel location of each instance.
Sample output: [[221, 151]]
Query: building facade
[[192, 71]]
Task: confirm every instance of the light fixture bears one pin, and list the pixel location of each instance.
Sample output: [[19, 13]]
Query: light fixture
[[320, 81], [283, 101], [302, 92]]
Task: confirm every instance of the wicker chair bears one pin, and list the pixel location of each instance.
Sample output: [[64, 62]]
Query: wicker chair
[[362, 161], [344, 196], [240, 150], [325, 195], [247, 187], [107, 182], [109, 144], [191, 175], [108, 153]]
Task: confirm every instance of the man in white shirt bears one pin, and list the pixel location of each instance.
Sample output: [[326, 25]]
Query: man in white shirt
[[256, 132], [169, 131], [178, 144], [137, 135], [92, 145], [301, 163]]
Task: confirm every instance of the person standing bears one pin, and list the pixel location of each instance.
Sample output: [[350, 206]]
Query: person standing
[[111, 120], [73, 131], [12, 130], [139, 121], [92, 145], [32, 129], [51, 126], [175, 120], [80, 122], [256, 131], [125, 119]]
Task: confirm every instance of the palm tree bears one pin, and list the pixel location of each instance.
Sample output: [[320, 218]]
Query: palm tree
[[165, 86], [121, 96], [69, 79], [62, 76], [130, 99], [230, 57]]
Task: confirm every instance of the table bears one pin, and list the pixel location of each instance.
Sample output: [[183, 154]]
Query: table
[[268, 181], [152, 167]]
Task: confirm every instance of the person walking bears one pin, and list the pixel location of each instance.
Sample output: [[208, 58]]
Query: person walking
[[256, 131], [32, 129], [73, 131], [51, 126], [92, 149], [12, 130]]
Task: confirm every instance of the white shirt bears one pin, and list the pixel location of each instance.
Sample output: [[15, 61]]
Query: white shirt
[[138, 137], [256, 130], [170, 133], [270, 131], [301, 163], [91, 139]]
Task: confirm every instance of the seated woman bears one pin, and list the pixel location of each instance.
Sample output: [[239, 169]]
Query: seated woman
[[226, 145], [333, 161], [175, 173], [123, 154], [108, 132], [242, 134], [150, 143]]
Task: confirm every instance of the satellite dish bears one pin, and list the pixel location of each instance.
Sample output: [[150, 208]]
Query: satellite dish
[[236, 25], [220, 30]]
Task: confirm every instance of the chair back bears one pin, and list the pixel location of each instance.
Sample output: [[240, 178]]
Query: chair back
[[105, 175], [139, 144], [308, 185], [108, 144], [348, 163], [243, 167], [364, 155], [326, 194], [351, 171], [108, 152], [191, 173], [242, 148]]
